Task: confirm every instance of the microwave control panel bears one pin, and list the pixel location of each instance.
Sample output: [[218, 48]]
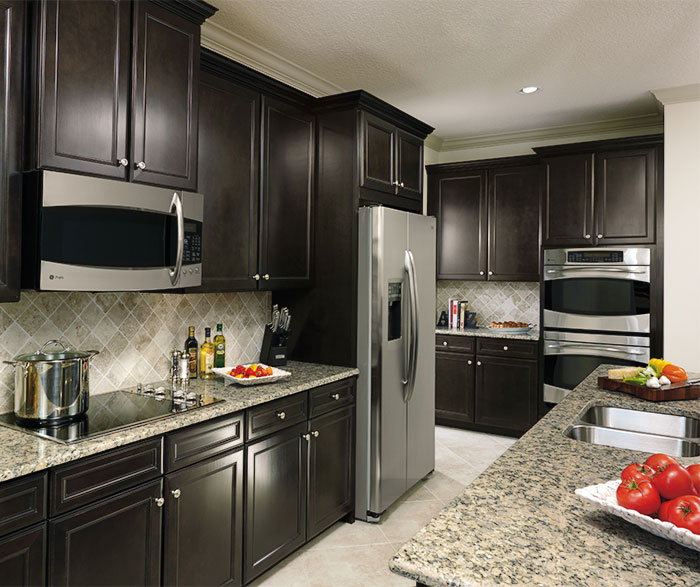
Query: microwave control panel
[[193, 244]]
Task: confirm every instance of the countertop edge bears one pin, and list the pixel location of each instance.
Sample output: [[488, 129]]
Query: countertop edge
[[533, 335]]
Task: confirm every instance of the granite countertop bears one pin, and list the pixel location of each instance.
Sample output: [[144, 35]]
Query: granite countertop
[[521, 523], [23, 453], [534, 334]]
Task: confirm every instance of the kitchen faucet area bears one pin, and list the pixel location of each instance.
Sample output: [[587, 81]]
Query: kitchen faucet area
[[313, 293]]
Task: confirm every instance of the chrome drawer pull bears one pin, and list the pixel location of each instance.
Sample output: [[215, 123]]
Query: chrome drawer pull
[[281, 415], [335, 396]]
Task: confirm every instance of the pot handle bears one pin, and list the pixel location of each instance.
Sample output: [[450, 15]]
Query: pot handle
[[54, 341], [92, 353]]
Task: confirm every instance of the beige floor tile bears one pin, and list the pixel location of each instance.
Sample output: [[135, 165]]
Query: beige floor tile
[[291, 572], [403, 521], [418, 493], [341, 565], [342, 534], [450, 482]]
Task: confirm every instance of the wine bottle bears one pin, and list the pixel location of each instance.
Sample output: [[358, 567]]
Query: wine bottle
[[206, 356], [219, 348], [191, 348]]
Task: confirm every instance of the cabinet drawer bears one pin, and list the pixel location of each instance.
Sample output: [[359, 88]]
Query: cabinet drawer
[[462, 344], [22, 502], [105, 474], [199, 442], [276, 415], [507, 347], [332, 396]]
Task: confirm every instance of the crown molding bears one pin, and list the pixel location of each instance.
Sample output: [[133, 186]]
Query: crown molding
[[637, 125], [434, 142], [240, 49], [689, 93]]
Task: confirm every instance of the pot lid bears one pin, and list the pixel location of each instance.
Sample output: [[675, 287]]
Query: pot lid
[[64, 353]]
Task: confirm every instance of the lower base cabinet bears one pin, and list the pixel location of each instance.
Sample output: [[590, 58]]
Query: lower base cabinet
[[113, 542], [23, 558], [454, 387], [203, 525]]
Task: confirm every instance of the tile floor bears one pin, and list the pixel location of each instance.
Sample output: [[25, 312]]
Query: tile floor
[[358, 554]]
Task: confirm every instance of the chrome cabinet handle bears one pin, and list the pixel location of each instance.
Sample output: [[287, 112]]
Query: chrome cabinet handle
[[123, 162], [266, 276], [401, 184], [315, 433], [336, 396], [174, 273], [469, 362], [478, 363], [281, 415], [159, 501], [490, 272], [141, 165], [306, 437], [481, 272], [256, 277], [444, 343], [176, 493], [505, 348], [588, 236], [600, 236]]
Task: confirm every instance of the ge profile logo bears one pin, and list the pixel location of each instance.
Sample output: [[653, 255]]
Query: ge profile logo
[[52, 276]]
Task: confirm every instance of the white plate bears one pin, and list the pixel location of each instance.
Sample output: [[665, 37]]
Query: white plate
[[522, 330], [277, 374], [603, 496]]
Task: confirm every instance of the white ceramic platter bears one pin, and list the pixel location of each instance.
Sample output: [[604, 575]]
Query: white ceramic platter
[[277, 374]]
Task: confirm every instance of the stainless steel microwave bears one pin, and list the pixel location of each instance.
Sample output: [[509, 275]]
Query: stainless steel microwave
[[90, 234]]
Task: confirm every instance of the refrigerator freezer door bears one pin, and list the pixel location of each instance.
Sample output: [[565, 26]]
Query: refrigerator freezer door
[[421, 407]]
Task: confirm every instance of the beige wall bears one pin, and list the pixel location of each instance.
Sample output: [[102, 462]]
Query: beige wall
[[681, 226]]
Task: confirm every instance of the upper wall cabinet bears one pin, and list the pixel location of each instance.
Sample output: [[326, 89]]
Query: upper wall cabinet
[[602, 193], [487, 219], [12, 19], [88, 118]]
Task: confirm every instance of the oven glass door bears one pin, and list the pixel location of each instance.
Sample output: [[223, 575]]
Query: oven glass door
[[587, 296], [107, 237]]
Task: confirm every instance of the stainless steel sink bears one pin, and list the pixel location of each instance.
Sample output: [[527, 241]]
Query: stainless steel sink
[[651, 443], [639, 421], [638, 430]]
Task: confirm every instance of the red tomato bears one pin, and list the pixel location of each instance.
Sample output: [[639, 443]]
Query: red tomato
[[663, 511], [640, 496], [673, 481], [684, 512], [675, 373], [660, 461], [637, 471], [694, 471]]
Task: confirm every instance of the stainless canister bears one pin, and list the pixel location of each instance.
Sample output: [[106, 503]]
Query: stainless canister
[[52, 386]]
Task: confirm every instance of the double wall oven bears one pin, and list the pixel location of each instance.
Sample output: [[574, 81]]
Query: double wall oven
[[597, 309]]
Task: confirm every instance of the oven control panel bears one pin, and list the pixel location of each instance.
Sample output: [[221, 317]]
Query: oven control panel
[[595, 256]]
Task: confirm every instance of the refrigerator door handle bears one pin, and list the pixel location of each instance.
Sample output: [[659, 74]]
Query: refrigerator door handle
[[413, 293], [407, 338]]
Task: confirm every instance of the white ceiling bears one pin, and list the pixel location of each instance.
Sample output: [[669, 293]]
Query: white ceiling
[[457, 64]]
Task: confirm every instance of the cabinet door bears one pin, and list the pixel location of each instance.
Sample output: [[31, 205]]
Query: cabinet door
[[275, 501], [113, 542], [84, 70], [203, 530], [12, 19], [454, 387], [409, 165], [23, 558], [506, 392], [378, 154], [164, 110], [514, 224], [331, 460], [567, 202], [287, 176], [625, 196], [459, 203], [228, 166]]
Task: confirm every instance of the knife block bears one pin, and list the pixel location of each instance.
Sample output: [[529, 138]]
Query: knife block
[[274, 348]]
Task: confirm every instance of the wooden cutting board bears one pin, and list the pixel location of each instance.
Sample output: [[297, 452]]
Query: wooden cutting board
[[674, 392]]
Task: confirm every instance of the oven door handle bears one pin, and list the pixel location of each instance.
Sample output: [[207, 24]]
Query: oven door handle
[[593, 346], [174, 273], [601, 269]]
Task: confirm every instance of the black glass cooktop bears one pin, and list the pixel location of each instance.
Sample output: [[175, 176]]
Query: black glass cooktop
[[116, 410]]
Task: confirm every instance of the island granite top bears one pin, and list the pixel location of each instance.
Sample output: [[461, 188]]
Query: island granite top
[[534, 334], [520, 522], [22, 453]]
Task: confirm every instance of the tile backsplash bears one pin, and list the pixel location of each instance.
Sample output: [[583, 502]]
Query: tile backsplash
[[133, 331], [492, 300]]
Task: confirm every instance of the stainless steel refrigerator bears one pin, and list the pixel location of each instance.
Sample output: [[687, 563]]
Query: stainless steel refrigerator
[[396, 356]]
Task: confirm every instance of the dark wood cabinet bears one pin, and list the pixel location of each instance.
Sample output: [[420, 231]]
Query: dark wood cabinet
[[115, 89], [275, 501], [454, 387], [164, 110], [602, 192], [115, 541], [506, 392], [12, 40], [23, 558], [228, 171], [331, 461], [286, 195], [409, 165], [487, 219], [203, 523]]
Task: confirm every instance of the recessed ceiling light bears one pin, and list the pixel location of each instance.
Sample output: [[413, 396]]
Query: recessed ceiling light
[[529, 90]]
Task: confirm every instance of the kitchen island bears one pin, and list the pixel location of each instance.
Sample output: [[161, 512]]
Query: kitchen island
[[521, 523]]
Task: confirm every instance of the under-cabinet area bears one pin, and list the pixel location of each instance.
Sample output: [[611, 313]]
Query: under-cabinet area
[[213, 503]]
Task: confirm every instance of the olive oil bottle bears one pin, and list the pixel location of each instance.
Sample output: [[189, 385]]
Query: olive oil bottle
[[219, 348], [191, 352], [206, 356]]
